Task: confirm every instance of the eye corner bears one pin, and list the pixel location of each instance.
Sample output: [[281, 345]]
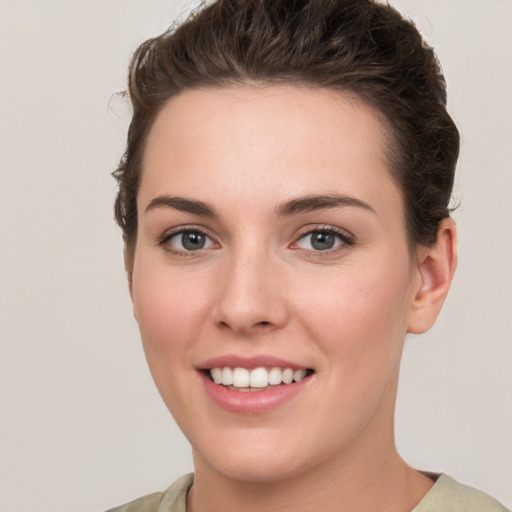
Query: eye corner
[[329, 240], [176, 243]]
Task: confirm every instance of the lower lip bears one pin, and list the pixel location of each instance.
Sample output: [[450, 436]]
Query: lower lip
[[252, 402]]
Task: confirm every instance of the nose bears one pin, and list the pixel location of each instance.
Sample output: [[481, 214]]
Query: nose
[[251, 295]]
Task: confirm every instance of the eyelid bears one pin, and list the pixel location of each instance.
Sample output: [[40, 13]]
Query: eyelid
[[187, 228], [347, 239]]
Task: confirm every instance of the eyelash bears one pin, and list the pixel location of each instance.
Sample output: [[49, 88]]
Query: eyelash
[[345, 239], [166, 237]]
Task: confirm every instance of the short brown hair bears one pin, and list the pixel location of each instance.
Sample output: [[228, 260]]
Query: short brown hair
[[362, 47]]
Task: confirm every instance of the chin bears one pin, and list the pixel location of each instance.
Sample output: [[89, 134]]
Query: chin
[[256, 457], [258, 468]]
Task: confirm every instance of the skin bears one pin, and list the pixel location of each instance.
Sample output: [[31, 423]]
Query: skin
[[259, 286]]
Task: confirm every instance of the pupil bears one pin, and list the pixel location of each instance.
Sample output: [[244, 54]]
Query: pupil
[[193, 241], [322, 241]]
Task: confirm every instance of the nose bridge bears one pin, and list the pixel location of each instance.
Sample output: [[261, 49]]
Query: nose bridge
[[250, 296]]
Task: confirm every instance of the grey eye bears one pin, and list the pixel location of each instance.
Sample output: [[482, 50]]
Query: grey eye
[[193, 241], [321, 240], [190, 241]]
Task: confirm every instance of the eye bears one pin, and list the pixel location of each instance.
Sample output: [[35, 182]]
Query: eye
[[187, 240], [322, 240]]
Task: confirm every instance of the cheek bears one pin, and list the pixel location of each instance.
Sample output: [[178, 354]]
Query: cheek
[[169, 311], [358, 317]]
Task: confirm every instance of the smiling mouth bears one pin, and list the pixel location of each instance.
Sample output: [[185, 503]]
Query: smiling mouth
[[256, 379]]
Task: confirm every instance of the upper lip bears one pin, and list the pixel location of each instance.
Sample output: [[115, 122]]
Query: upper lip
[[249, 362]]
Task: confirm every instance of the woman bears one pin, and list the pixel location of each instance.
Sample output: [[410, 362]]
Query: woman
[[284, 203]]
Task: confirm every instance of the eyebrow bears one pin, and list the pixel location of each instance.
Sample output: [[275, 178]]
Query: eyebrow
[[303, 204], [184, 205], [318, 202]]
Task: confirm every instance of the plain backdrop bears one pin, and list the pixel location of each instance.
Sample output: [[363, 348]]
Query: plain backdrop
[[82, 427]]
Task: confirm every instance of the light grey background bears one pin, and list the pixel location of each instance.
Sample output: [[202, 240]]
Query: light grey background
[[82, 427]]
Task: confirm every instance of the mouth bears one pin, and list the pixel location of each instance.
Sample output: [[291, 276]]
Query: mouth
[[257, 384], [255, 379]]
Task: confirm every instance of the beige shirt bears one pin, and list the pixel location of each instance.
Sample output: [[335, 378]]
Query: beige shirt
[[447, 495]]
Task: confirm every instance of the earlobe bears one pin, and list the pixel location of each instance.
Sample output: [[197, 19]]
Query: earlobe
[[130, 289], [435, 266], [128, 265]]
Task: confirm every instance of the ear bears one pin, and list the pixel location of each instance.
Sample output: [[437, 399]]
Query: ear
[[435, 266], [130, 287], [128, 265]]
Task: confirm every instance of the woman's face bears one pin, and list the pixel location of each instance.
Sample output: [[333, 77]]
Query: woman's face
[[271, 235]]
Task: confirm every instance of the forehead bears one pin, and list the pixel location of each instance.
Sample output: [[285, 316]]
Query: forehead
[[265, 141]]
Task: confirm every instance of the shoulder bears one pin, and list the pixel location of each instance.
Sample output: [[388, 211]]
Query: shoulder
[[173, 499], [149, 503], [448, 495]]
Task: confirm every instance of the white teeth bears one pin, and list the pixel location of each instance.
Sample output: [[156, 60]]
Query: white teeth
[[256, 378], [216, 375], [288, 376], [227, 376], [299, 375], [275, 376], [240, 378]]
